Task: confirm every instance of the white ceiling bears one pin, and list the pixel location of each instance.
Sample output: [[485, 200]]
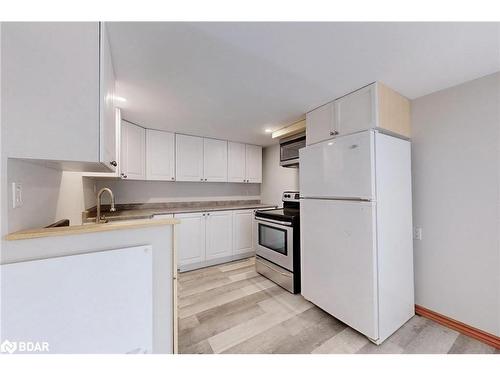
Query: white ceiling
[[233, 80]]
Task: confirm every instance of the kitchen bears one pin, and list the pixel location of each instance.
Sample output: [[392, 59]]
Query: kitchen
[[238, 215]]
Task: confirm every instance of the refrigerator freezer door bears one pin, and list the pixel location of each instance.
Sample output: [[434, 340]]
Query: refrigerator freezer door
[[338, 260], [342, 167]]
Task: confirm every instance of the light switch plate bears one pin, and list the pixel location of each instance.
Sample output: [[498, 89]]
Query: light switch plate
[[17, 195], [417, 233]]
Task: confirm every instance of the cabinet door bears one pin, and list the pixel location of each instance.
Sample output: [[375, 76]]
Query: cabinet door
[[236, 162], [190, 238], [214, 160], [242, 231], [320, 124], [108, 144], [53, 91], [219, 235], [118, 137], [160, 155], [253, 161], [133, 151], [188, 158], [356, 111]]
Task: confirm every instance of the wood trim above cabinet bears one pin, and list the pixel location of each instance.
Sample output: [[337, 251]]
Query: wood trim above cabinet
[[463, 328], [295, 128], [393, 111]]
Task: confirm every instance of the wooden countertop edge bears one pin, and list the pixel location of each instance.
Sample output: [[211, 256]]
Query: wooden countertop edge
[[88, 228]]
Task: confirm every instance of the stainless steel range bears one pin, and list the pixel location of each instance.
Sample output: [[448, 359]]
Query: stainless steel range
[[278, 243]]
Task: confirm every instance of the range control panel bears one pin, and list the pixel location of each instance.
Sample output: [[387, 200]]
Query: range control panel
[[291, 196]]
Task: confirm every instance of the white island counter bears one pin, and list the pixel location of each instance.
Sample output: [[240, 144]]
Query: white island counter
[[114, 267]]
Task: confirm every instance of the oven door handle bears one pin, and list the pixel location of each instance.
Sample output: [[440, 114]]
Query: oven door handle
[[286, 224]]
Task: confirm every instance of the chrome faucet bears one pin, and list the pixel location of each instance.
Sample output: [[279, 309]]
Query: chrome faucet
[[99, 194]]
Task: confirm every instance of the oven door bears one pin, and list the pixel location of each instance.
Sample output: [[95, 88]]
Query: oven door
[[275, 242]]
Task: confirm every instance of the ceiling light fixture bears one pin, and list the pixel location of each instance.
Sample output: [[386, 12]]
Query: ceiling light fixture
[[268, 130]]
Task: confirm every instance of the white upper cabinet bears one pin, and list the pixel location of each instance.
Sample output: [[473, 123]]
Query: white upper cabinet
[[219, 234], [321, 124], [160, 155], [107, 95], [190, 238], [148, 154], [253, 161], [52, 107], [188, 158], [236, 162], [373, 106], [133, 143], [356, 111], [244, 163], [242, 231], [214, 160]]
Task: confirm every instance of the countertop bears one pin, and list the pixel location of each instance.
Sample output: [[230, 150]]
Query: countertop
[[148, 210], [87, 228]]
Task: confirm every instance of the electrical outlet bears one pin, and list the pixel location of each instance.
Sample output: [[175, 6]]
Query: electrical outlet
[[417, 233], [17, 195]]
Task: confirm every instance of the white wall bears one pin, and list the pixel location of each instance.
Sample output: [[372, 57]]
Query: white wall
[[456, 191], [76, 194], [275, 178], [130, 191], [48, 195], [40, 189], [159, 237]]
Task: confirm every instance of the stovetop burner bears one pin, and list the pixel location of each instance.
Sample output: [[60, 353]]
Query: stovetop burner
[[281, 214], [290, 212]]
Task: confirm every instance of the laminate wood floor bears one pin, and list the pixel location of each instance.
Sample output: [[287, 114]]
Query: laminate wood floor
[[231, 309]]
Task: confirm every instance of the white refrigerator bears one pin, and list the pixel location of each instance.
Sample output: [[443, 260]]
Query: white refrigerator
[[356, 231]]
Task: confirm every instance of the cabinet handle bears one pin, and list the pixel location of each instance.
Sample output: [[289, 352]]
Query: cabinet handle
[[113, 163], [334, 132], [201, 179], [173, 178], [205, 179], [124, 175]]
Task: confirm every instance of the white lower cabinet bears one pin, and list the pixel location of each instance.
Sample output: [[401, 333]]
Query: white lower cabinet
[[208, 238], [219, 234], [190, 238], [242, 232]]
